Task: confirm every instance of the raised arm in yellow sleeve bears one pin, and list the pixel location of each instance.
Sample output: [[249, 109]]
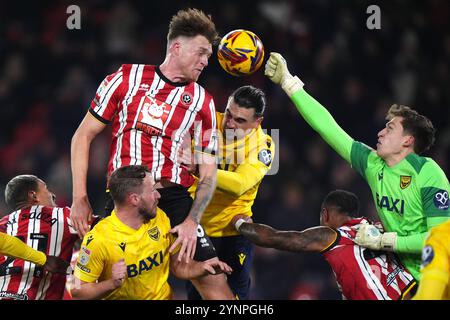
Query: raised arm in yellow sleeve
[[240, 181], [12, 247]]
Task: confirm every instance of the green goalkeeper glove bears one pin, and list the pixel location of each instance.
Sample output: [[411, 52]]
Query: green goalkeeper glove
[[369, 236], [277, 71]]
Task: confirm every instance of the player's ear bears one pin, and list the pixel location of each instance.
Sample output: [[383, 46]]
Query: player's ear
[[409, 141], [175, 47], [133, 198]]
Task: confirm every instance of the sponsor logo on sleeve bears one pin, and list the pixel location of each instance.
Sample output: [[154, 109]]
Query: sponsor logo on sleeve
[[427, 255], [83, 268], [85, 255], [102, 87], [441, 200], [265, 156]]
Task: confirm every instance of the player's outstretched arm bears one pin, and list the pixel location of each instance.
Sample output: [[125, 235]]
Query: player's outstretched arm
[[81, 211], [313, 239], [13, 247], [240, 181], [311, 110]]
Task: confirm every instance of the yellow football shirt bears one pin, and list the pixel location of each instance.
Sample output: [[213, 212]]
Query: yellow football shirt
[[250, 158], [435, 273], [146, 254]]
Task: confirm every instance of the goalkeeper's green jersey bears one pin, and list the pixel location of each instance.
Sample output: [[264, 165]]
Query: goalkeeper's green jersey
[[411, 197], [406, 195]]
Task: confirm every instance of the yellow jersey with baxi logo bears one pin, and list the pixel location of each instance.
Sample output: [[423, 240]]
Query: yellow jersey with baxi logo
[[145, 251]]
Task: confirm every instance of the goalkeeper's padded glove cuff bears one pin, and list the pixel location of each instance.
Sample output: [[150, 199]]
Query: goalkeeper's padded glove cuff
[[238, 223], [389, 241], [291, 85]]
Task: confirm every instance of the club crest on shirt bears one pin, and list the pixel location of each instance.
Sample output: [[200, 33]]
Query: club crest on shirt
[[405, 181], [154, 233], [186, 98]]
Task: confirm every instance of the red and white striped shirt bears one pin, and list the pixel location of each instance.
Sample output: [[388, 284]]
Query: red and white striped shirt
[[150, 116], [45, 229], [364, 274]]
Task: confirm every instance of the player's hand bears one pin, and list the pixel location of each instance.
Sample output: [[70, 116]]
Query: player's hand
[[56, 265], [369, 236], [277, 71], [81, 215], [215, 266], [238, 217], [119, 272], [187, 237], [379, 226]]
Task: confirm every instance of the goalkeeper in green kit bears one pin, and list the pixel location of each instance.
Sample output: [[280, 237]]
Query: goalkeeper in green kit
[[411, 192]]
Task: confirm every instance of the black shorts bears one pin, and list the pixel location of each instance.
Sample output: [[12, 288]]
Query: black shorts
[[176, 202], [237, 252]]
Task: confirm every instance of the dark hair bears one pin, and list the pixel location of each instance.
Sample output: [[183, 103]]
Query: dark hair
[[346, 202], [126, 180], [190, 23], [16, 192], [251, 98], [415, 124]]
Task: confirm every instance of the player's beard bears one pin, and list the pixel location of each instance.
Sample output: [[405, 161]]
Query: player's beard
[[147, 213]]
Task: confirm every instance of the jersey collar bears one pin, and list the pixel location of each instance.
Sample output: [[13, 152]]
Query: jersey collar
[[175, 84]]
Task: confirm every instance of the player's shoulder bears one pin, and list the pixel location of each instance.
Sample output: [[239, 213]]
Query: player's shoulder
[[162, 219], [127, 68], [202, 91], [93, 239], [423, 165], [265, 139], [103, 226], [442, 230], [361, 152]]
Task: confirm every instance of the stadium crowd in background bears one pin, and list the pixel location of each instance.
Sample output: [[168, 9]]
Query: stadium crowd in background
[[48, 75]]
